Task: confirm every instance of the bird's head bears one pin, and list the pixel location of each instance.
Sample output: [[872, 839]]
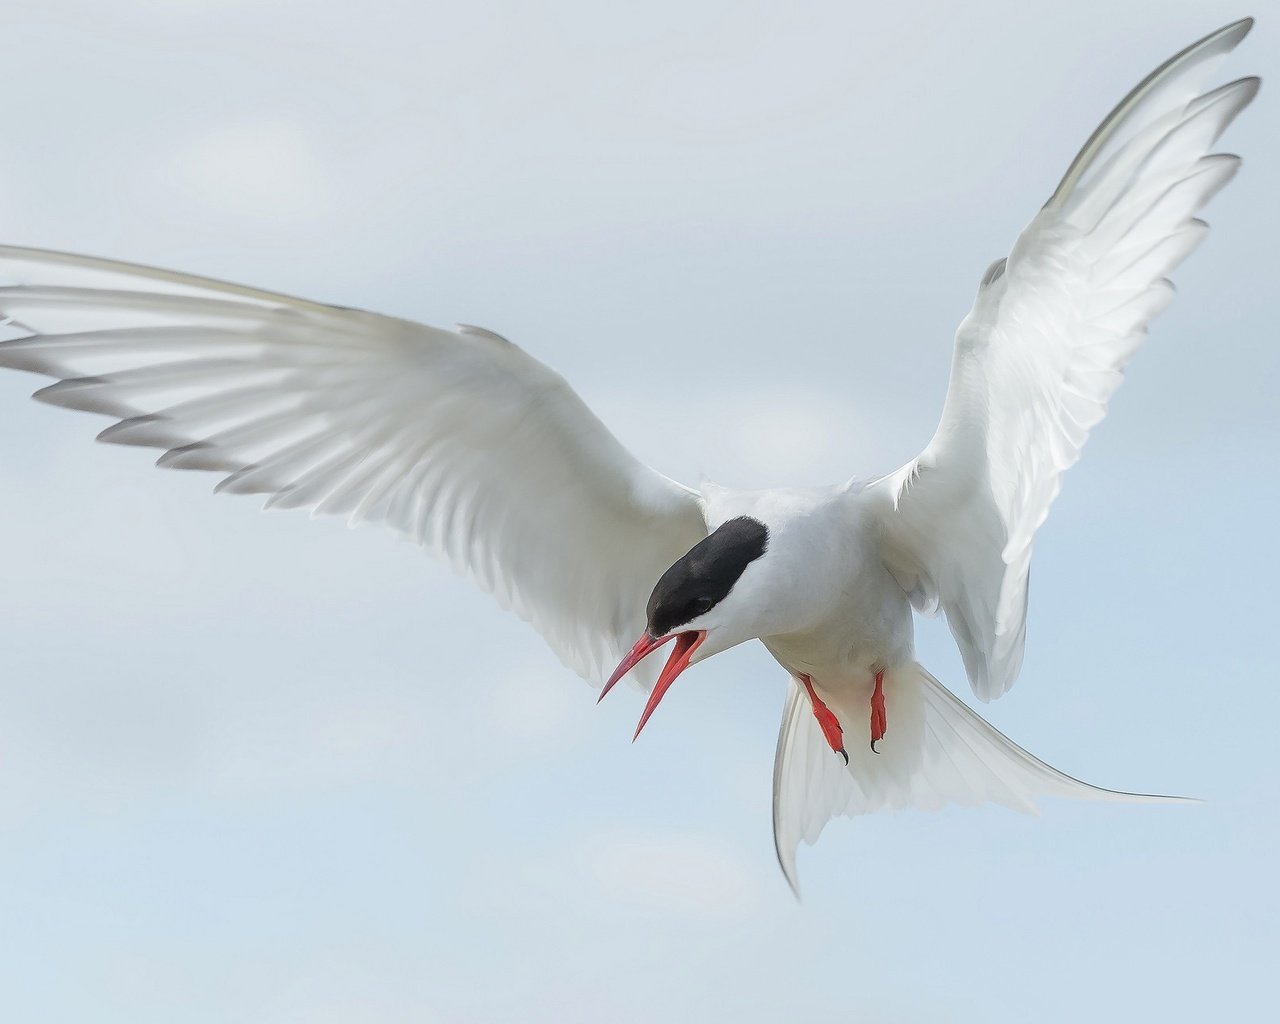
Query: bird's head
[[701, 604]]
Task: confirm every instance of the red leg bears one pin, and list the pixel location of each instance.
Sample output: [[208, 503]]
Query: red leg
[[879, 720], [826, 719]]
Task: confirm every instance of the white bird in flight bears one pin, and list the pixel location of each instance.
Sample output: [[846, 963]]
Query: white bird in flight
[[467, 444]]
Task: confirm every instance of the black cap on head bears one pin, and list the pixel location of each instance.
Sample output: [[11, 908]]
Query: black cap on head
[[703, 578]]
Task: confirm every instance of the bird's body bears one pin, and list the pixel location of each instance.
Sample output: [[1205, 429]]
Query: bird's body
[[830, 609], [468, 445]]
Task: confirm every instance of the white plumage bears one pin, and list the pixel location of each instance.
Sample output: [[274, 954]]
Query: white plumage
[[486, 457], [1044, 348], [457, 439], [942, 754]]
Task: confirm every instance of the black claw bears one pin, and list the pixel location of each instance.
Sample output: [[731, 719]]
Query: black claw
[[844, 755], [873, 747]]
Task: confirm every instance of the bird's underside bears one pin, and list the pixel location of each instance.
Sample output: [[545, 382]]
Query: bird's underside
[[465, 443]]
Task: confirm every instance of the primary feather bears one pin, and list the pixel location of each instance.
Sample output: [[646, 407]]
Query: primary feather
[[457, 439], [1038, 358]]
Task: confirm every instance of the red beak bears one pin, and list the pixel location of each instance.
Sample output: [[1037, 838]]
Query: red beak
[[686, 644]]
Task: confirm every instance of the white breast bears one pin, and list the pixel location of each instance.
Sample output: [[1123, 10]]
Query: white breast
[[835, 613]]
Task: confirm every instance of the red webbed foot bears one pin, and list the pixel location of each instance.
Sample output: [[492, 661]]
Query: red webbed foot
[[879, 720], [827, 720]]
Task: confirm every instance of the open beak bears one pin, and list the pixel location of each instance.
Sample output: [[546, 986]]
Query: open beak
[[686, 644]]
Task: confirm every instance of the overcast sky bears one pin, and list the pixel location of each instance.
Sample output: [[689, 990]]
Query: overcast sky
[[257, 769]]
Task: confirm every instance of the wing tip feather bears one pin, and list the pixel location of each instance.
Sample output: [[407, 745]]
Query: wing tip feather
[[120, 433], [1220, 41]]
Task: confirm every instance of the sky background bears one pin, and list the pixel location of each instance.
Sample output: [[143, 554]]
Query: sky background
[[262, 770]]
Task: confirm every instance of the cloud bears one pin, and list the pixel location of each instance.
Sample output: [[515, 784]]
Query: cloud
[[535, 705], [670, 874], [644, 873], [255, 169]]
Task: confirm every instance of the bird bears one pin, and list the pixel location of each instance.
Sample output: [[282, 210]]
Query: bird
[[468, 445]]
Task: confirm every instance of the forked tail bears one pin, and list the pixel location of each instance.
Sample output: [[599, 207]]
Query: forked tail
[[937, 751]]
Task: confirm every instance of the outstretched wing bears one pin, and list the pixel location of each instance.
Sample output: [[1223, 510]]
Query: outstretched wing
[[1037, 359], [457, 439]]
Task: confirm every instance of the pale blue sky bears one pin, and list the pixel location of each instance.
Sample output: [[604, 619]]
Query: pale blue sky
[[255, 769]]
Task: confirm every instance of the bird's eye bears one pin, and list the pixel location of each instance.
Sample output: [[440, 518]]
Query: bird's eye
[[702, 604]]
